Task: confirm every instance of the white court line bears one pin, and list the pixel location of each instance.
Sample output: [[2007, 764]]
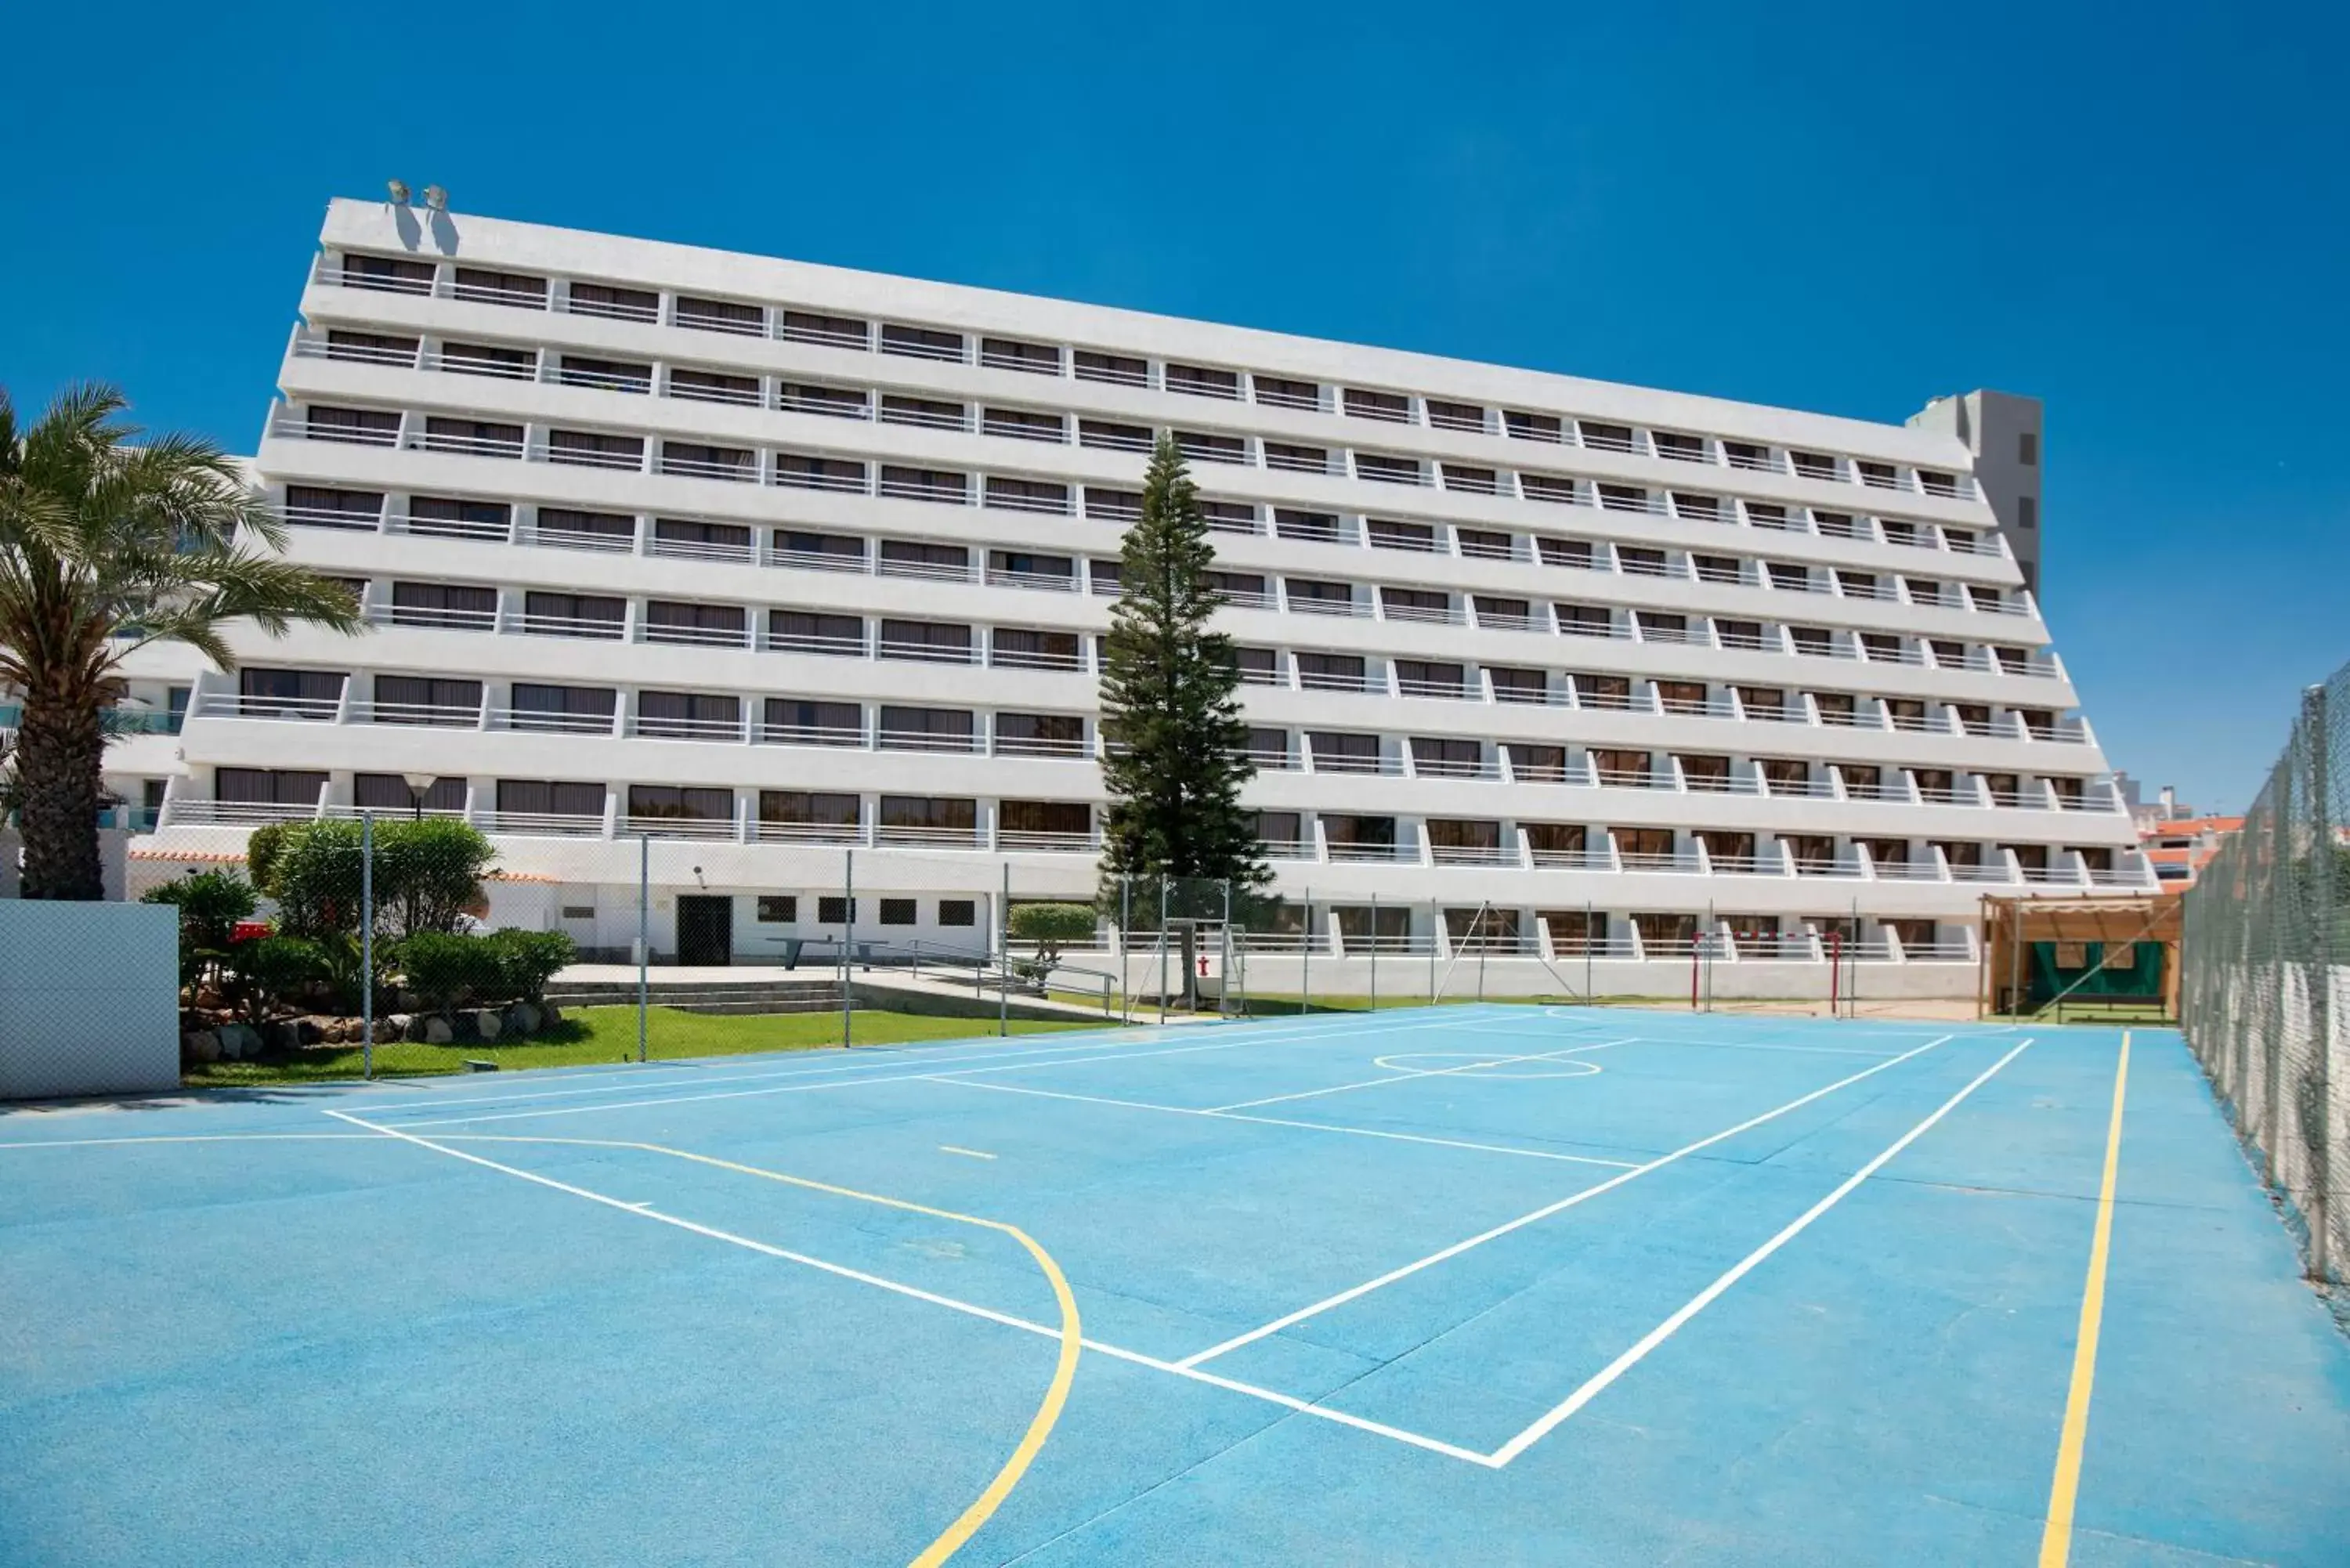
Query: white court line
[[1760, 1046], [970, 1153], [1280, 1122], [887, 1057], [883, 1057], [1113, 1054], [1287, 1402], [1454, 1250], [1697, 1303], [187, 1138], [1400, 1076]]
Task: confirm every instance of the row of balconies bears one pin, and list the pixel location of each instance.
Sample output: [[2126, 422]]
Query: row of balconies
[[851, 473], [837, 725], [1400, 679], [949, 345], [744, 543], [923, 823], [533, 612]]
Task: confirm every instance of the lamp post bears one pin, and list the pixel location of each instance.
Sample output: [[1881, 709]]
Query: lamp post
[[419, 786]]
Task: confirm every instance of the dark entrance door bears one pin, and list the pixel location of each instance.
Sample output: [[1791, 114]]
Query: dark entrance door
[[705, 932]]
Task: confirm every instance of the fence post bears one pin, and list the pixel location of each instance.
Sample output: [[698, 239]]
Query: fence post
[[1435, 920], [1375, 952], [1588, 998], [1003, 958], [2323, 860], [1713, 938], [1125, 973], [1162, 946], [367, 944], [2015, 965], [644, 933], [1484, 942], [1852, 986], [1224, 970], [848, 934], [1305, 962]]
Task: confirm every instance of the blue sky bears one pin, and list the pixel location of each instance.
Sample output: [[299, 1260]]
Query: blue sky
[[2135, 213]]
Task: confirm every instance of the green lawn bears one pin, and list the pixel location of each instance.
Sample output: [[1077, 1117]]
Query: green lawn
[[591, 1034]]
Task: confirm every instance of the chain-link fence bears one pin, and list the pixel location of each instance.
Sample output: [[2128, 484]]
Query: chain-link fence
[[2266, 975]]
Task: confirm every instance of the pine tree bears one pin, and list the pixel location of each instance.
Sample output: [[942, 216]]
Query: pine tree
[[1177, 752]]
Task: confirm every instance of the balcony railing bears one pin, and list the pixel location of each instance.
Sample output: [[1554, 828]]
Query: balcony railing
[[1036, 659], [508, 447], [235, 705], [824, 646], [810, 735], [702, 550], [236, 813], [1041, 746], [435, 715], [698, 635], [542, 722], [1024, 841], [849, 833], [697, 827], [433, 617], [907, 837], [655, 727], [594, 627], [540, 824]]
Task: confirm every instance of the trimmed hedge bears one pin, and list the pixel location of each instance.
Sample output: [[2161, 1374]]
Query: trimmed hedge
[[445, 970]]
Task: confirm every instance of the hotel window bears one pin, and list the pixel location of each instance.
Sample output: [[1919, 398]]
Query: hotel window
[[549, 797], [267, 786]]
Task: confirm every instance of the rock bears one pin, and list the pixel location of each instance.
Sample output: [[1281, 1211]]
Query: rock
[[411, 1025], [285, 1035], [549, 1015], [437, 1031], [488, 1024], [200, 1045], [522, 1018], [239, 1043], [210, 999], [408, 1002], [334, 1032]]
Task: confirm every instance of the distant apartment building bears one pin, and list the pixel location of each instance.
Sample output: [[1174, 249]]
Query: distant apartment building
[[770, 561], [2178, 848]]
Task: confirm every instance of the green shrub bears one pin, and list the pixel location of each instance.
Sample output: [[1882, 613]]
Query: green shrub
[[262, 848], [526, 961], [273, 973], [426, 874], [445, 970], [1050, 927], [314, 876], [211, 903]]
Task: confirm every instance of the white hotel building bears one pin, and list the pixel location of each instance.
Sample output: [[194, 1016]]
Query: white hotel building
[[769, 561]]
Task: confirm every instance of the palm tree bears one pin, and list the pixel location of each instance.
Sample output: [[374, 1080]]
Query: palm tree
[[109, 541]]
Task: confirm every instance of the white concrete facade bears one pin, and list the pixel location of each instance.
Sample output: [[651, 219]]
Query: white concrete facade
[[773, 560]]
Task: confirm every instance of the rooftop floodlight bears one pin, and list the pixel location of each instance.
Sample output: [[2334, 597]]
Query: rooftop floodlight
[[437, 198], [399, 189]]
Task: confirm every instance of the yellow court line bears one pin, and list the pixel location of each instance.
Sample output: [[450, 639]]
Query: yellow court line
[[1065, 1370], [2056, 1537]]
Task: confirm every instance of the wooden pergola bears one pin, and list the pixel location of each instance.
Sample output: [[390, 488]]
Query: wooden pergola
[[2010, 925]]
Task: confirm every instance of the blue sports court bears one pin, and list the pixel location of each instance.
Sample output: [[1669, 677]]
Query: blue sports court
[[1496, 1284]]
